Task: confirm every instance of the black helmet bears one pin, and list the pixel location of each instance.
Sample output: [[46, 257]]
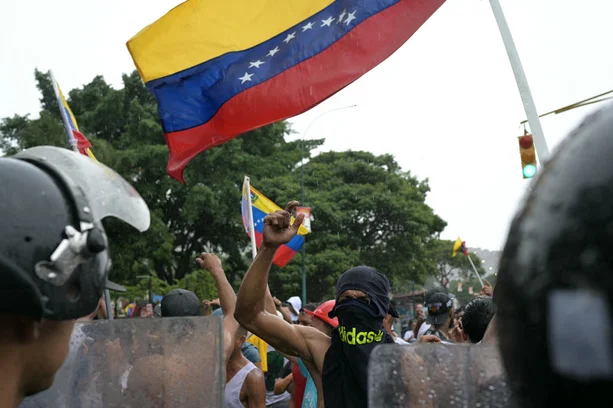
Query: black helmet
[[54, 258], [554, 292]]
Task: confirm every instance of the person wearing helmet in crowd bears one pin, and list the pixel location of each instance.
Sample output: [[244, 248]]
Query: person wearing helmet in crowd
[[54, 259], [556, 268], [337, 363], [440, 314]]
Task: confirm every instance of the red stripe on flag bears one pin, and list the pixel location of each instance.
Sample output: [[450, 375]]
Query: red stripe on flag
[[305, 85]]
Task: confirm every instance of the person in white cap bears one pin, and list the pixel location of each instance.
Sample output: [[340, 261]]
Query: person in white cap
[[295, 304]]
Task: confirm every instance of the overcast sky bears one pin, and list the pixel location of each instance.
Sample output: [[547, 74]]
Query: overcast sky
[[446, 104]]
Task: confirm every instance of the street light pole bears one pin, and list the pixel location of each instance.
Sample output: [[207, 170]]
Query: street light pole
[[522, 82], [302, 199]]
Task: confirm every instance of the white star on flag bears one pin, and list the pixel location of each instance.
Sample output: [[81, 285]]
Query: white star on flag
[[350, 17], [246, 77], [289, 37], [272, 52], [255, 64], [307, 27], [340, 18], [327, 22]]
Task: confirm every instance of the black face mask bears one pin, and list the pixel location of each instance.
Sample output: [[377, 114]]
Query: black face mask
[[345, 371]]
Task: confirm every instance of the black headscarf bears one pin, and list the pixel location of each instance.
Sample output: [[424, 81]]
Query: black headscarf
[[359, 331]]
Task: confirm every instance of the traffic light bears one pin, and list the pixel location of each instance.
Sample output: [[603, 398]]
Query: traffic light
[[528, 155]]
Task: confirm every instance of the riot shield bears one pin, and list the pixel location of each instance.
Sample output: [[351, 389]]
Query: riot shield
[[135, 363], [437, 376]]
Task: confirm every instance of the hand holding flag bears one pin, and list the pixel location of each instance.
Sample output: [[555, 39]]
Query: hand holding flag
[[255, 207], [278, 228]]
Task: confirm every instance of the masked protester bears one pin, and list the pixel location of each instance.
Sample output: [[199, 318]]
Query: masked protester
[[557, 267], [54, 259], [362, 302]]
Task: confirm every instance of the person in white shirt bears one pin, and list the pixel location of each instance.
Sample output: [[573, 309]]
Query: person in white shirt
[[410, 334]]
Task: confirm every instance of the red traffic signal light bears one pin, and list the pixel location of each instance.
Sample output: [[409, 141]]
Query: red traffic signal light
[[528, 156]]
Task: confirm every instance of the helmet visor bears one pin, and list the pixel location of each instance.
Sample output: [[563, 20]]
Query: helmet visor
[[107, 193]]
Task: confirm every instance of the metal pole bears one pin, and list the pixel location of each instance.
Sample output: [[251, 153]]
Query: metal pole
[[414, 300], [475, 269], [304, 291], [302, 200], [107, 300], [522, 83]]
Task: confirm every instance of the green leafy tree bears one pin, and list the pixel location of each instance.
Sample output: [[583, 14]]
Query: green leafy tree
[[368, 210]]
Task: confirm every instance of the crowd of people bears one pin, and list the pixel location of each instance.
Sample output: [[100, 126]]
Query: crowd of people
[[555, 270]]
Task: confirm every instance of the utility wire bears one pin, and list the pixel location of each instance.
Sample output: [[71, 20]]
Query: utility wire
[[585, 102]]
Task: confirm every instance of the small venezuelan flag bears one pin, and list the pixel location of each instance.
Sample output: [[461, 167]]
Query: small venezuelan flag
[[261, 206], [460, 246], [83, 144], [222, 68]]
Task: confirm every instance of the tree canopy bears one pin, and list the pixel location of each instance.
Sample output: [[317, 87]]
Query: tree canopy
[[367, 209]]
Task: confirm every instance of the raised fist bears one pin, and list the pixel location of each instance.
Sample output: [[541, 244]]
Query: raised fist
[[277, 227], [209, 262]]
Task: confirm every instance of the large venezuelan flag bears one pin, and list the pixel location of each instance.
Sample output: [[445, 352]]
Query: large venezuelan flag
[[221, 68], [262, 206], [83, 144]]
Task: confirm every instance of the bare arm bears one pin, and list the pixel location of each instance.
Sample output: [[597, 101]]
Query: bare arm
[[286, 316], [254, 295], [256, 389], [227, 299], [282, 384], [251, 311]]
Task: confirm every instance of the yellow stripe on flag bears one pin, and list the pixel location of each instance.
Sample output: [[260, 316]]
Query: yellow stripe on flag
[[91, 154], [265, 205], [456, 246], [67, 108], [199, 30]]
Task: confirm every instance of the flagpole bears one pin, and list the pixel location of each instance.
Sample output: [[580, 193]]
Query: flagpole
[[254, 247], [71, 139], [522, 82], [475, 269], [73, 144]]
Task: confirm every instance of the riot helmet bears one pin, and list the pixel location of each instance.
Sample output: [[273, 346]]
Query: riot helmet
[[557, 269], [54, 256]]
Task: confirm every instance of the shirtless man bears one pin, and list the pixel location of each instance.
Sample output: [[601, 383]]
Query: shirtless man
[[337, 363], [244, 381]]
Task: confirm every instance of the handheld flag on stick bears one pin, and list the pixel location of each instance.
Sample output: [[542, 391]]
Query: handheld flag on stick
[[76, 139], [255, 207], [221, 68], [460, 245], [79, 144]]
